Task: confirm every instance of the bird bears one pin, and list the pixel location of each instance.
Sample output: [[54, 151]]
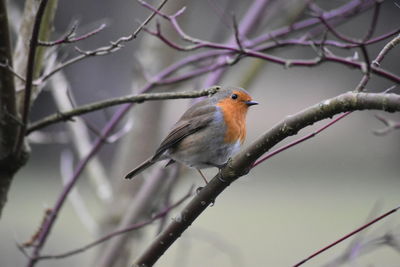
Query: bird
[[207, 135]]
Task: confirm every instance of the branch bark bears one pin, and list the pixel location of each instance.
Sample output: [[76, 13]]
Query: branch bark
[[8, 113], [140, 98], [241, 164]]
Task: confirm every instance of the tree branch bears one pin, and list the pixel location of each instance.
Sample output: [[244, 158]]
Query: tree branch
[[8, 111], [348, 236], [29, 75], [242, 162], [105, 50], [130, 228], [236, 51], [67, 115], [389, 46]]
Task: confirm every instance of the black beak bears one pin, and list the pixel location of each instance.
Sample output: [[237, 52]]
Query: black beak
[[251, 103]]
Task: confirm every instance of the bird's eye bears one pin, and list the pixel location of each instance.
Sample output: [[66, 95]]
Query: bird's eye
[[234, 96]]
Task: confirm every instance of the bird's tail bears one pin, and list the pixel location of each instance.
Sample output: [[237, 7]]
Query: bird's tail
[[140, 168]]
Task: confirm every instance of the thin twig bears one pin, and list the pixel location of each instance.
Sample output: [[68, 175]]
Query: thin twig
[[389, 46], [376, 62], [68, 37], [336, 33], [347, 236], [391, 125], [374, 20], [67, 115], [236, 51], [296, 142], [105, 50], [107, 237], [237, 34], [7, 66]]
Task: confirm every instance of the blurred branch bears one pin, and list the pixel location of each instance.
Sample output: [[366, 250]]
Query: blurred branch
[[389, 46], [23, 46], [69, 38], [296, 142], [80, 139], [238, 50], [388, 239], [241, 164], [114, 46], [374, 20], [305, 42], [29, 76], [140, 98], [347, 236], [8, 112], [360, 87], [49, 221], [349, 9], [130, 228], [151, 187], [75, 198], [391, 125], [376, 62]]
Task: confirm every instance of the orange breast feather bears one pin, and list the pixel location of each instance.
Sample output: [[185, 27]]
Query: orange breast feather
[[234, 115]]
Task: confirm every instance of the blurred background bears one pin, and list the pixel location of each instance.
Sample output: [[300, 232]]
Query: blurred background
[[281, 212]]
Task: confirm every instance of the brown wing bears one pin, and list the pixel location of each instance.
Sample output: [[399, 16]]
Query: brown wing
[[194, 119]]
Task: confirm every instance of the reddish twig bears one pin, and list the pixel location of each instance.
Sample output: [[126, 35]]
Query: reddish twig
[[49, 222], [347, 236], [296, 142], [305, 42], [374, 21], [107, 237], [348, 9], [31, 242], [240, 50]]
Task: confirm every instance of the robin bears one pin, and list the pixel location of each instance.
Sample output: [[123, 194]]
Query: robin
[[207, 134]]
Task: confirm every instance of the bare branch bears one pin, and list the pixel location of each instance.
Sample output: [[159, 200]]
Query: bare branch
[[239, 50], [29, 75], [8, 67], [68, 37], [391, 125], [375, 62], [374, 20], [107, 237], [389, 46], [242, 162], [301, 140], [105, 50], [347, 236], [67, 115]]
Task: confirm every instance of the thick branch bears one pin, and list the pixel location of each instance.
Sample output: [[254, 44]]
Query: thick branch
[[63, 116], [29, 74], [241, 163], [8, 113]]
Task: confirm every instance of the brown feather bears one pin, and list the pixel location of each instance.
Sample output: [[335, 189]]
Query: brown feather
[[194, 119]]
